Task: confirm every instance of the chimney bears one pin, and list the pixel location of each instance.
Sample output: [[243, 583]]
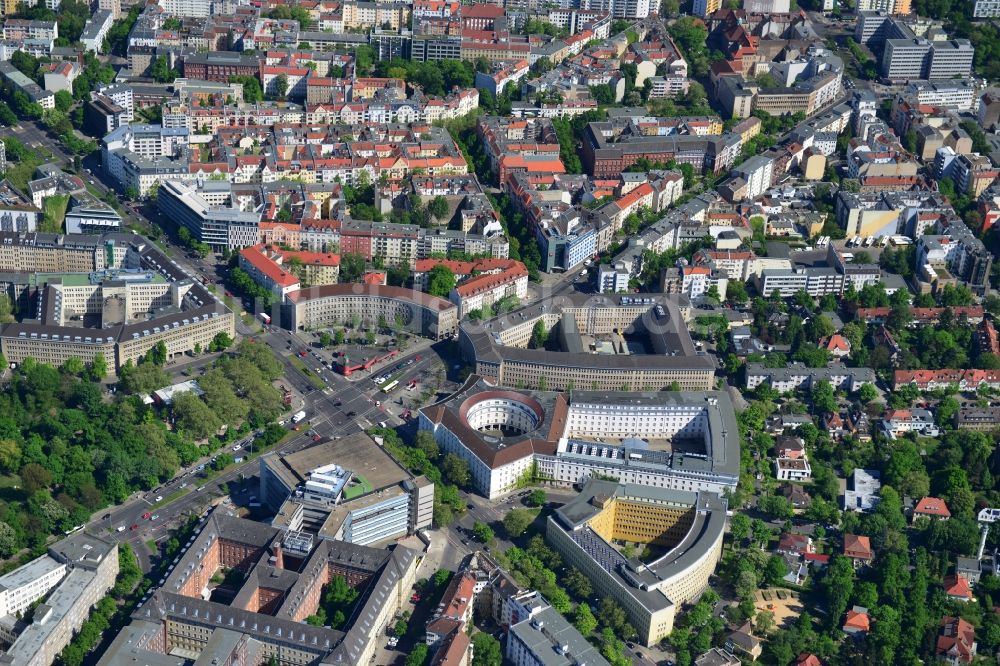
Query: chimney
[[280, 560]]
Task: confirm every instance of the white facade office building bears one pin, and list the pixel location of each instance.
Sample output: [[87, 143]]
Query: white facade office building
[[986, 9]]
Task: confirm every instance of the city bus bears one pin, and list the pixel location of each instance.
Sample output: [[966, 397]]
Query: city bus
[[391, 386]]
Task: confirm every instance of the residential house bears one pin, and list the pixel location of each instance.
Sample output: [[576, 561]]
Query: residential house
[[808, 660], [858, 425], [717, 657], [837, 345], [898, 422], [786, 446], [857, 623], [956, 641], [931, 507], [969, 568], [796, 495], [983, 419], [863, 489], [957, 588], [834, 424], [930, 380], [792, 469], [60, 76], [792, 543], [742, 641], [859, 549]]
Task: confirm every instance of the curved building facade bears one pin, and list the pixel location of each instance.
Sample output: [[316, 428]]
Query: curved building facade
[[683, 529], [681, 440], [339, 304]]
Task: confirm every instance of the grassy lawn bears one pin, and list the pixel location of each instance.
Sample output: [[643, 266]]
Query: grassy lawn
[[363, 486], [54, 213], [310, 375]]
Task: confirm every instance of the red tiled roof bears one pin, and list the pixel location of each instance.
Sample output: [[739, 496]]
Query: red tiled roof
[[957, 586], [859, 621], [956, 640], [858, 547], [255, 257], [478, 285], [932, 506]]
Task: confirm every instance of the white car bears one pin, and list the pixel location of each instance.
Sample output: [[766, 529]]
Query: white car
[[121, 528], [237, 447], [159, 498]]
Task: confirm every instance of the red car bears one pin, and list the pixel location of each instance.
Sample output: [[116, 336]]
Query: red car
[[415, 599], [316, 438], [135, 526], [146, 515]]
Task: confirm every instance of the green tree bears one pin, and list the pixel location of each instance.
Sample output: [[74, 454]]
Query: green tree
[[739, 528], [736, 292], [584, 620], [483, 532], [867, 393], [157, 355], [192, 415], [776, 506], [438, 207], [221, 342], [536, 497], [578, 584], [9, 542], [64, 100], [252, 92], [419, 655], [98, 367], [486, 650], [516, 522], [823, 398], [764, 622], [455, 470], [161, 71], [441, 280], [281, 86], [776, 570], [539, 335]]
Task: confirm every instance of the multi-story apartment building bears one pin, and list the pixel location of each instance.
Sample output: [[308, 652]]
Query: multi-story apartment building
[[188, 8], [796, 377], [75, 574], [546, 638], [331, 305], [887, 6], [986, 8], [222, 227], [958, 94], [705, 8], [757, 172]]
